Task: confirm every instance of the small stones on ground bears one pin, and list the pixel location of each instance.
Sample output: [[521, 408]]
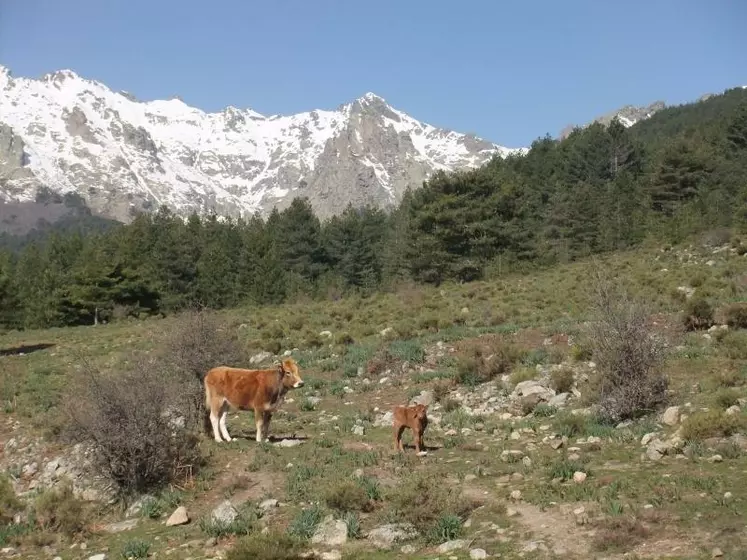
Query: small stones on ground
[[527, 462], [451, 546], [715, 458], [717, 553], [408, 549], [728, 495], [289, 442], [579, 477], [331, 532], [733, 410], [101, 556], [358, 430], [647, 438], [225, 513], [331, 555], [179, 517], [386, 535], [121, 526], [671, 416], [269, 504], [478, 554], [511, 512], [580, 515], [516, 495]]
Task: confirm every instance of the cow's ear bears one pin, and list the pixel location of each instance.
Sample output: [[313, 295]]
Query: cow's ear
[[280, 367]]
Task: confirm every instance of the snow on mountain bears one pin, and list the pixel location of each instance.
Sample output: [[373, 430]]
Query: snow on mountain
[[122, 155]]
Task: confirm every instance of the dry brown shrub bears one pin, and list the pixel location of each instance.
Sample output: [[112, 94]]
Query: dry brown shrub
[[629, 356], [137, 421]]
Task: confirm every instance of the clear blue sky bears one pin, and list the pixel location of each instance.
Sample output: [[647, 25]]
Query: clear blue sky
[[507, 71]]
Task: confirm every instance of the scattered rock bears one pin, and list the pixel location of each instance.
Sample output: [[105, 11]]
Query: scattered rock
[[386, 535], [179, 517], [728, 495], [560, 400], [425, 397], [331, 532], [516, 495], [717, 553], [657, 449], [269, 504], [408, 549], [451, 546], [556, 443], [385, 420], [646, 439], [225, 513], [579, 477], [259, 358], [289, 442], [331, 555], [101, 556], [478, 554], [358, 430], [121, 526], [326, 334], [715, 458], [671, 416], [138, 505], [531, 387], [580, 515], [733, 410]]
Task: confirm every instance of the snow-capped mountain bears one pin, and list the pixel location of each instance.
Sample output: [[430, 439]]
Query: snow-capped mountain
[[121, 154]]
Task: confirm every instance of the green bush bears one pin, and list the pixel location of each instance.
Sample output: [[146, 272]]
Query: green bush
[[698, 314]]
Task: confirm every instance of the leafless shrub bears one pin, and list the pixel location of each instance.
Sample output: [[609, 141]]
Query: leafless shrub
[[628, 354], [200, 341], [134, 421]]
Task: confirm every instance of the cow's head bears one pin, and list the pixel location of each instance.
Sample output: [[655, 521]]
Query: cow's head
[[420, 412], [288, 368]]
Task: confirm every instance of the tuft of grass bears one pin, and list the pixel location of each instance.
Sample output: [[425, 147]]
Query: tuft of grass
[[243, 524], [135, 548], [423, 500], [353, 524], [347, 496], [275, 545], [561, 380], [564, 469], [305, 523], [698, 314], [407, 351], [736, 315], [619, 534], [446, 528], [713, 423], [58, 509]]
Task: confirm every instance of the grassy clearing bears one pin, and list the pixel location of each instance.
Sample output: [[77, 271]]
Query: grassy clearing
[[511, 330]]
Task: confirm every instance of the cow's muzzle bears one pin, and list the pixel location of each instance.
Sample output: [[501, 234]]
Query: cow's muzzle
[[298, 384]]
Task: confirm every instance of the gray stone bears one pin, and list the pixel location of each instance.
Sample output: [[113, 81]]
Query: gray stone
[[179, 517], [121, 526], [386, 535], [451, 546], [259, 358], [478, 554], [671, 416], [330, 532], [425, 397], [101, 556], [269, 504], [225, 513]]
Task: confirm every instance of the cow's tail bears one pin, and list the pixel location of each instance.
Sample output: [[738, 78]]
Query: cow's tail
[[207, 426]]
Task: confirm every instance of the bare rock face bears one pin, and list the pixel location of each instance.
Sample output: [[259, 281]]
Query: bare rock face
[[123, 155]]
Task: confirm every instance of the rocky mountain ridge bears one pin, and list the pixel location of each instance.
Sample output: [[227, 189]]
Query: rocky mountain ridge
[[123, 155]]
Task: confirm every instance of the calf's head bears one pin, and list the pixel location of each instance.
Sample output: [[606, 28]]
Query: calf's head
[[419, 413], [288, 368]]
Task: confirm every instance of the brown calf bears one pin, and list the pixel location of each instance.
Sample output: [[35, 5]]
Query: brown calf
[[414, 417], [262, 390]]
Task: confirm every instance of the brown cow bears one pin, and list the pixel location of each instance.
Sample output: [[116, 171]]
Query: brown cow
[[260, 389], [414, 417]]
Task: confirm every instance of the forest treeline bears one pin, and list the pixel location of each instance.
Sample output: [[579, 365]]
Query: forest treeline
[[603, 188]]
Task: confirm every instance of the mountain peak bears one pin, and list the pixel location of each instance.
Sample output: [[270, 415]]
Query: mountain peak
[[123, 155]]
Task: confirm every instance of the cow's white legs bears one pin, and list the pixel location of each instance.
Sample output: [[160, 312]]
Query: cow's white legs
[[259, 421], [223, 416], [266, 417], [215, 423]]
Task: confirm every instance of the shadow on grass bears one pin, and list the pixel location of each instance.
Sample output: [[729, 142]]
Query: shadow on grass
[[24, 349]]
